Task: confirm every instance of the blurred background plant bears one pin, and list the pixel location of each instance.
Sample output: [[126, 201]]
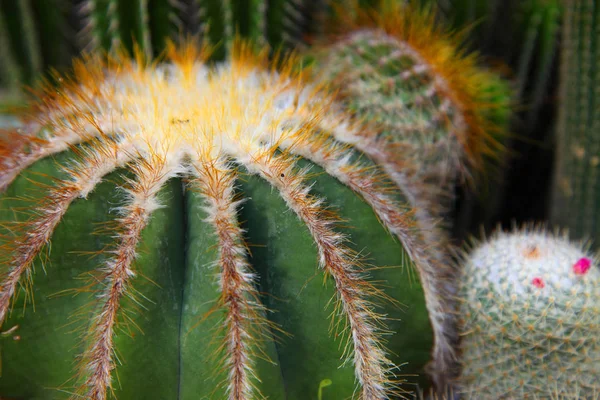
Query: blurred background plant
[[576, 195], [36, 35]]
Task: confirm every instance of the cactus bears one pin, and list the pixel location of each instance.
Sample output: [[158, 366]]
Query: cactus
[[575, 192], [404, 72], [530, 318], [176, 298]]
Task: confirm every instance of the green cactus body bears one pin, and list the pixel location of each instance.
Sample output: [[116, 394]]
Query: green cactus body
[[575, 197], [214, 291], [531, 320]]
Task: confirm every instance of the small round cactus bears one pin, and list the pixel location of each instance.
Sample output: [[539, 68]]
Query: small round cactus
[[530, 318]]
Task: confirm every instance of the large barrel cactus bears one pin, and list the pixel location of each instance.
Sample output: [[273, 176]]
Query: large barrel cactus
[[182, 212]]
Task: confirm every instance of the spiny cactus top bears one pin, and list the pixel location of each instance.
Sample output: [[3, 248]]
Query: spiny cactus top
[[186, 119], [531, 319]]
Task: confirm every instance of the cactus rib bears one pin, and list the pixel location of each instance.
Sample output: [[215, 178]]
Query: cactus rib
[[144, 28], [433, 267], [34, 141], [238, 296], [338, 261], [576, 190], [117, 273], [334, 158], [13, 163], [9, 67], [92, 34]]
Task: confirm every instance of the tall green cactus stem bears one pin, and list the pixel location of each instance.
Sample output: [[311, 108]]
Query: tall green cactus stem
[[234, 132], [576, 195], [18, 17], [540, 23], [9, 70], [530, 318]]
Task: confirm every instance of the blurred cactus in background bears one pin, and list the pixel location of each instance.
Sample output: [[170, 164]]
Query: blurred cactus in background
[[530, 319], [576, 195], [37, 35]]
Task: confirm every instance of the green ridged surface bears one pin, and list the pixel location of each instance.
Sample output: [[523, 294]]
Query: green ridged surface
[[9, 69], [174, 356], [51, 22], [38, 365], [161, 24], [18, 27], [576, 196], [539, 24]]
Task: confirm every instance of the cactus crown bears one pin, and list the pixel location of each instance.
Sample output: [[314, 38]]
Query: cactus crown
[[183, 118]]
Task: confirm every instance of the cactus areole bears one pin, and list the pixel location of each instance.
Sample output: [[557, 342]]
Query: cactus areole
[[203, 235]]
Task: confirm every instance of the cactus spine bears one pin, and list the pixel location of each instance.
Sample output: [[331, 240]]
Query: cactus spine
[[530, 318], [576, 181]]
